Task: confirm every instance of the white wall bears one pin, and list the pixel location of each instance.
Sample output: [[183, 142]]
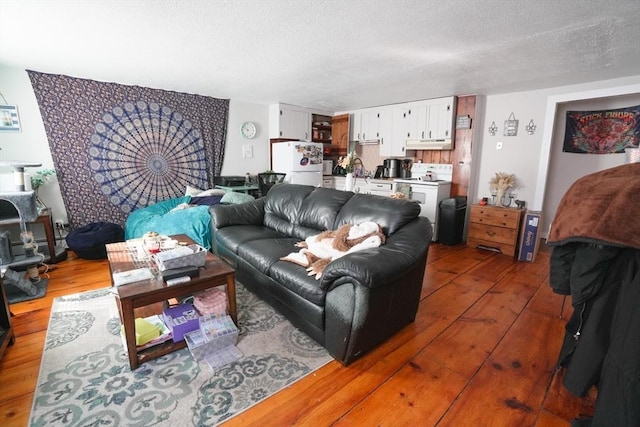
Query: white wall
[[234, 162], [521, 154], [31, 143]]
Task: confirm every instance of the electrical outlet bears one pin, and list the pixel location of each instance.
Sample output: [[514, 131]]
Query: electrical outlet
[[499, 145]]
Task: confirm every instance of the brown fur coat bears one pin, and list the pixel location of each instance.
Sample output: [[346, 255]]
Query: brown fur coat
[[319, 250]]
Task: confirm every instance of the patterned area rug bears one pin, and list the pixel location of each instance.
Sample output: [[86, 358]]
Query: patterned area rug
[[85, 379]]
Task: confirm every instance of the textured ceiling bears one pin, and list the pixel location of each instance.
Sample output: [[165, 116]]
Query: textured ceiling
[[331, 55]]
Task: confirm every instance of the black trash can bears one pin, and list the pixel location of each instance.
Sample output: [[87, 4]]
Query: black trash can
[[451, 220]]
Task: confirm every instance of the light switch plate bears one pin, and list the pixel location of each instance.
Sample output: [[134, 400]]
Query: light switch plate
[[499, 145], [247, 151]]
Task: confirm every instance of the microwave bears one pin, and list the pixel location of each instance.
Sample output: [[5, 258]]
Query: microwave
[[327, 167]]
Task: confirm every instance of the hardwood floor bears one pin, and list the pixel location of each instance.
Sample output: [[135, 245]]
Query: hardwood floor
[[481, 353]]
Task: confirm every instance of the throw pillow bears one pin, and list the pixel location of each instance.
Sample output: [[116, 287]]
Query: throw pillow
[[192, 191], [233, 197], [211, 192]]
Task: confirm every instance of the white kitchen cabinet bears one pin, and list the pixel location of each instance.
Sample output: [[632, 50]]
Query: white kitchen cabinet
[[440, 119], [396, 121], [431, 119], [365, 125], [286, 121], [327, 182], [378, 187]]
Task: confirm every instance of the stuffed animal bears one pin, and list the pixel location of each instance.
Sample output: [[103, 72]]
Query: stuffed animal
[[320, 249]]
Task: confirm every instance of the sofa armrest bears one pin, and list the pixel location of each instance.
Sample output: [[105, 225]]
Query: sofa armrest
[[382, 265], [249, 213]]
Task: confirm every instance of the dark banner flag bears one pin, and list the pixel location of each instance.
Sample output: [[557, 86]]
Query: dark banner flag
[[602, 132]]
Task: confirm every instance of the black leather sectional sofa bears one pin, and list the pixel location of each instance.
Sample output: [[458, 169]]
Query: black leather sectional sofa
[[362, 298]]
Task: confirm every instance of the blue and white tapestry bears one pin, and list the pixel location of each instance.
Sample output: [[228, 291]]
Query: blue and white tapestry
[[117, 148]]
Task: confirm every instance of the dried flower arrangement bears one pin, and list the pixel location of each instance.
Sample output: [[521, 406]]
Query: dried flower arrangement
[[500, 183]]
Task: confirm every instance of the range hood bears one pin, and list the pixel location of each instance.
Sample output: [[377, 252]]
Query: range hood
[[368, 142], [431, 144]]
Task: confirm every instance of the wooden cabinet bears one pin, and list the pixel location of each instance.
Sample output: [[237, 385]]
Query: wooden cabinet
[[321, 129], [7, 336], [495, 228], [340, 134]]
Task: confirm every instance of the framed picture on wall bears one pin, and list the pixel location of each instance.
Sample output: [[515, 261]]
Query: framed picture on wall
[[9, 119]]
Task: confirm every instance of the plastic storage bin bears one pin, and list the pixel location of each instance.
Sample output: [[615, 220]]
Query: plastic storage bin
[[451, 220]]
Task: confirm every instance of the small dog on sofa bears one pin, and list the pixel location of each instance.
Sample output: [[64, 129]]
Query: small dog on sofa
[[320, 249]]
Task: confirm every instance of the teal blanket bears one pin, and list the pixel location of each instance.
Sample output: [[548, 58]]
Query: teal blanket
[[195, 221]]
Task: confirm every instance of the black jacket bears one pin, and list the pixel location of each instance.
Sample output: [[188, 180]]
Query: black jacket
[[602, 340]]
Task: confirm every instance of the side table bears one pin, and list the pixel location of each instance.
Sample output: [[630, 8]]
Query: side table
[[146, 292], [495, 227]]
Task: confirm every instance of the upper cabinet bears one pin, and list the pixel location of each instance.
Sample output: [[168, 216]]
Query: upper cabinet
[[340, 134], [289, 122], [396, 128], [431, 119], [365, 125], [440, 118]]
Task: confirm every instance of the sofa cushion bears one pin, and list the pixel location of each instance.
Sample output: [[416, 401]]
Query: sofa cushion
[[282, 206], [234, 236], [390, 214], [319, 211], [262, 254], [295, 278]]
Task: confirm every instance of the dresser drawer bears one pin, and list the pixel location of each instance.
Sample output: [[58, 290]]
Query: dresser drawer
[[501, 217], [505, 249], [492, 233]]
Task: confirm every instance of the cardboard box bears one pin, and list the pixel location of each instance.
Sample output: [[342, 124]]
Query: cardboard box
[[530, 236], [181, 319]]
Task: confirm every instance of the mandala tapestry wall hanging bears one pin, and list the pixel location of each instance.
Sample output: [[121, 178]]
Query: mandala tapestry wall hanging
[[117, 148], [602, 132]]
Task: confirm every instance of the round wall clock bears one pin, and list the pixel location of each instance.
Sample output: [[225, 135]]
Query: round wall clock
[[248, 130]]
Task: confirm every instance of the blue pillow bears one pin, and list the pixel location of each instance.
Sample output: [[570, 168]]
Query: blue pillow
[[205, 200]]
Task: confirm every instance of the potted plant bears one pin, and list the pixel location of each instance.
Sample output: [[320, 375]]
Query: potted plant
[[38, 179]]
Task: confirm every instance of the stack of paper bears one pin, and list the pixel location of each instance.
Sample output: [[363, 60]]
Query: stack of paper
[[130, 276]]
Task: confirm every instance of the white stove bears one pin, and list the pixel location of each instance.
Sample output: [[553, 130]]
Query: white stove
[[430, 183], [429, 174]]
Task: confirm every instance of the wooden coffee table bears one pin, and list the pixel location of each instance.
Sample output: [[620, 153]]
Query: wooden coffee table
[[143, 293]]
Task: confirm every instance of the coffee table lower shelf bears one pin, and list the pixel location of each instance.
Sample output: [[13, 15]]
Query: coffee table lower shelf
[[159, 350]]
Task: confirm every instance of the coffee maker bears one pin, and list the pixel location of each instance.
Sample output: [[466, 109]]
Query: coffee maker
[[391, 168]]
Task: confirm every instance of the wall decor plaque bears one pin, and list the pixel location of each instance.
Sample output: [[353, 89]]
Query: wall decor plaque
[[511, 126]]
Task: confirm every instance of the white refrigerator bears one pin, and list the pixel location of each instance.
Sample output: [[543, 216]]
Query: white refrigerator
[[300, 160]]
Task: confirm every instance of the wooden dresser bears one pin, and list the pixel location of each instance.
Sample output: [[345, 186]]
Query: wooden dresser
[[495, 228]]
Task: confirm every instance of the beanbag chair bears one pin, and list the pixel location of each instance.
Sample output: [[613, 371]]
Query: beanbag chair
[[88, 241]]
